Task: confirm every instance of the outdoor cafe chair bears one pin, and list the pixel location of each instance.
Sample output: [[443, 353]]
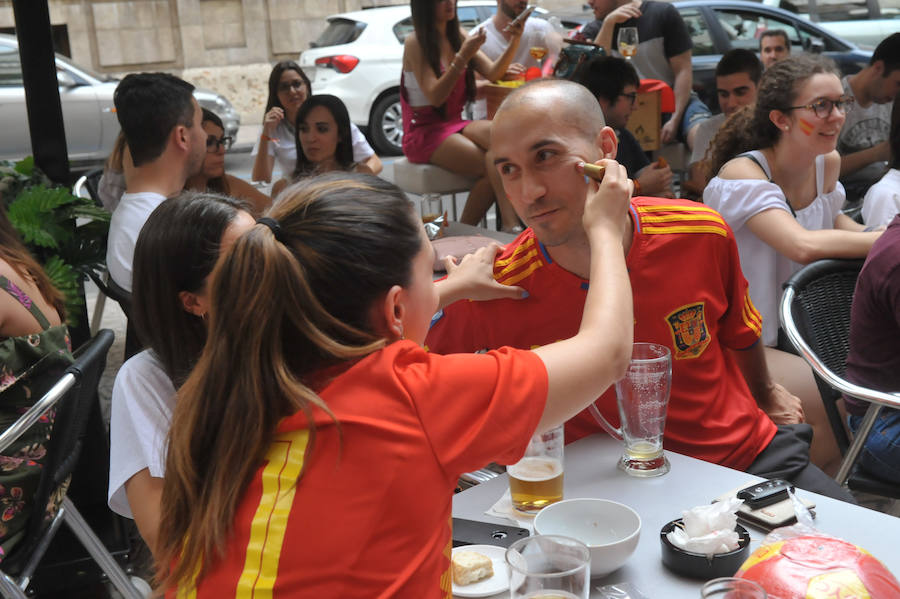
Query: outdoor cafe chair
[[815, 315], [73, 396]]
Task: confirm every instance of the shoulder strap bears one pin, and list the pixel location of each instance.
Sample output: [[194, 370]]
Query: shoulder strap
[[20, 296], [820, 174], [765, 170], [758, 162]]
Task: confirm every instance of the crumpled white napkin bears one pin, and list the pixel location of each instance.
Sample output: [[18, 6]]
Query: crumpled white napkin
[[708, 529], [503, 509]]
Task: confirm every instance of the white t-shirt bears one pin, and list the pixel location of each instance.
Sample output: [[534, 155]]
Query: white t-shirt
[[127, 221], [765, 269], [142, 402], [538, 32], [706, 131], [864, 128], [284, 149], [882, 201]]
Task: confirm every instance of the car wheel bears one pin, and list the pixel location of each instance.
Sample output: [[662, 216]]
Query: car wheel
[[386, 125]]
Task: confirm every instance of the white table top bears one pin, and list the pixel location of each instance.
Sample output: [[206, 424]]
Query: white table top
[[591, 472]]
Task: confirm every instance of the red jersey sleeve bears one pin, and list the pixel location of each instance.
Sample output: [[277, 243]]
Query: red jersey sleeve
[[741, 325], [476, 408]]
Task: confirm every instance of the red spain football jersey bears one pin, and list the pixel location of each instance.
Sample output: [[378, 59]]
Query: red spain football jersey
[[689, 294], [371, 516]]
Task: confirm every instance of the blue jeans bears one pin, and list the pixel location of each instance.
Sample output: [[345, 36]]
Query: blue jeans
[[881, 453]]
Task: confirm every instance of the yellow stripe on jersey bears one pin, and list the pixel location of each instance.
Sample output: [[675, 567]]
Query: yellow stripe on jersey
[[685, 229], [521, 261], [517, 253], [446, 577], [513, 279], [752, 317], [675, 208], [284, 461], [715, 218]]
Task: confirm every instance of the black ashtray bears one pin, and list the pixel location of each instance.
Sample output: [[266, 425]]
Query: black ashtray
[[698, 565]]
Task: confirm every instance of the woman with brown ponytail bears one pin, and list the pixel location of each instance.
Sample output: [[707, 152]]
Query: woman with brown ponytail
[[777, 187], [315, 447], [438, 78]]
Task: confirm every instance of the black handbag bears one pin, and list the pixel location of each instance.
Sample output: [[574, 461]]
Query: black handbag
[[573, 54]]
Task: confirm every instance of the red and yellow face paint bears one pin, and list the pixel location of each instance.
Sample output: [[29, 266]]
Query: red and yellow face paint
[[806, 127]]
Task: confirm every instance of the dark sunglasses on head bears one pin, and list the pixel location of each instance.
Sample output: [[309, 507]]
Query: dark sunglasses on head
[[213, 143], [289, 85]]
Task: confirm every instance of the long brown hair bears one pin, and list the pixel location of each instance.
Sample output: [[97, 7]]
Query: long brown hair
[[429, 38], [750, 128], [282, 308], [13, 251]]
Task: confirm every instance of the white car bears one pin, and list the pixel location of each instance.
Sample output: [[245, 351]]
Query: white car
[[358, 58], [87, 104], [864, 22]]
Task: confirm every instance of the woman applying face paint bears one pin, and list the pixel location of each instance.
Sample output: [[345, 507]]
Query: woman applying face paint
[[777, 188]]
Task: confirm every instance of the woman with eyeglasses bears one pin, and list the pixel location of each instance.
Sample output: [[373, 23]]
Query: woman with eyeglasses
[[777, 187], [212, 177], [289, 87], [438, 78]]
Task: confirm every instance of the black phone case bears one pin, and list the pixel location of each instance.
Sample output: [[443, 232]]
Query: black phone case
[[474, 532]]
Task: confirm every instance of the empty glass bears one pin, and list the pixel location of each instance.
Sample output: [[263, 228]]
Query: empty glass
[[732, 588], [549, 567]]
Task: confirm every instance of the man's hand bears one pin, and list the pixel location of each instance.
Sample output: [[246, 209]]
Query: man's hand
[[669, 132], [473, 276], [656, 180], [631, 10], [781, 405]]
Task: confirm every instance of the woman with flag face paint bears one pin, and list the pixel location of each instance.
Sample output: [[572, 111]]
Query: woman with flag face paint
[[777, 187]]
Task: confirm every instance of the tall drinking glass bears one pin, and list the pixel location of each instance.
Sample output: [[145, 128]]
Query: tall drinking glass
[[627, 41], [732, 588], [549, 567]]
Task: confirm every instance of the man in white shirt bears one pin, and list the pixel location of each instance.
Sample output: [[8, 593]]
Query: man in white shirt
[[863, 141], [737, 78], [161, 122], [537, 33]]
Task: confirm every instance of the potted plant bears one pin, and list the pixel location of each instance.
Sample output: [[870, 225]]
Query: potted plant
[[64, 232]]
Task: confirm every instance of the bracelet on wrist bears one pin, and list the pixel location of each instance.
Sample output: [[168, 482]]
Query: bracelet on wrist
[[637, 187], [265, 137]]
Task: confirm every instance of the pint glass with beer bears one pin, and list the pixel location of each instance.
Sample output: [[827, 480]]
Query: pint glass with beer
[[537, 479]]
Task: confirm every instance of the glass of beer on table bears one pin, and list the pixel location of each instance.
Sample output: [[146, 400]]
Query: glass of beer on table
[[549, 567], [536, 480]]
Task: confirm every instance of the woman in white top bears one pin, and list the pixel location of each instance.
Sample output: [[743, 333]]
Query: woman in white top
[[777, 188], [288, 89], [882, 201], [439, 61], [174, 255]]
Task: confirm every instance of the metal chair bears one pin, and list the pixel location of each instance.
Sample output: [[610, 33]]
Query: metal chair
[[815, 315], [74, 396]]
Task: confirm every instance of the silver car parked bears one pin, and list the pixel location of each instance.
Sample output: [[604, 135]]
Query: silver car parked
[[87, 106]]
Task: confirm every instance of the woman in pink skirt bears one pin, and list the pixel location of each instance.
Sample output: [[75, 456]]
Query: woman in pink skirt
[[439, 61]]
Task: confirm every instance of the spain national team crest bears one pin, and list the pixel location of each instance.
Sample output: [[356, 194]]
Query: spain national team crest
[[689, 333]]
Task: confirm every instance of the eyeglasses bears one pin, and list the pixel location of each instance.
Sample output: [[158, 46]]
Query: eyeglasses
[[631, 97], [213, 143], [823, 106], [289, 85]]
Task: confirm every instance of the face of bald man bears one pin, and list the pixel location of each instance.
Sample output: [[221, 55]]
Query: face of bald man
[[538, 136]]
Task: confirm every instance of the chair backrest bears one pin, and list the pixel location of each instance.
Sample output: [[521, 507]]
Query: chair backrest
[[820, 311], [90, 183], [67, 436]]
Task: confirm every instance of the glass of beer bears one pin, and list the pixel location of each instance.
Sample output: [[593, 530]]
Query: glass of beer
[[549, 567], [537, 479], [432, 207], [627, 41], [538, 53]]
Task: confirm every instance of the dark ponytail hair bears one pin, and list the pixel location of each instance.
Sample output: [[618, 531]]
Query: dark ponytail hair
[[285, 304], [429, 39], [176, 251], [751, 128]]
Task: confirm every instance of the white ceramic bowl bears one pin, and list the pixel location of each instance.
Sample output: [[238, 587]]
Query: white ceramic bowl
[[610, 530]]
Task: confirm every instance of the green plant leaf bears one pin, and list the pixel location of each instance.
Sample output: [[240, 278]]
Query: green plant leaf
[[66, 279], [26, 166]]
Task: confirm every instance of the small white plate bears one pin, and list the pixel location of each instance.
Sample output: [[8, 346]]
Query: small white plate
[[497, 583]]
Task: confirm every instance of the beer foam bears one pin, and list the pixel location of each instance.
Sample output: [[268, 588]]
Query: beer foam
[[533, 469]]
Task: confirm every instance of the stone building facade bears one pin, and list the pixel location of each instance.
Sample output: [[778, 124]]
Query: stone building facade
[[116, 36]]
